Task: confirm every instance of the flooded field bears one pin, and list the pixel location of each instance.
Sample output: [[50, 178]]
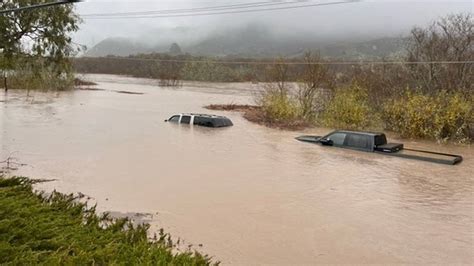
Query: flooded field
[[248, 194]]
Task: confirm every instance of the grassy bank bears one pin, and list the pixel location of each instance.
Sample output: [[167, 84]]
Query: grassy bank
[[57, 229]]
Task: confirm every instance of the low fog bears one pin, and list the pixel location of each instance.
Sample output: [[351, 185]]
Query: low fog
[[318, 25]]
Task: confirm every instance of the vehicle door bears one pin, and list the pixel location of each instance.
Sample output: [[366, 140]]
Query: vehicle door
[[359, 142], [174, 118]]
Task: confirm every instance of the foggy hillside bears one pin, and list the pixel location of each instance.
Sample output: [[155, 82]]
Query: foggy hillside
[[118, 46], [252, 40]]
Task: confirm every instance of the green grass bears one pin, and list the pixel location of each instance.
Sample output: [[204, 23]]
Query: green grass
[[57, 229]]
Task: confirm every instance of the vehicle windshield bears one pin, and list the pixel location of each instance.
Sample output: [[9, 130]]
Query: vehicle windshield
[[337, 138], [174, 118]]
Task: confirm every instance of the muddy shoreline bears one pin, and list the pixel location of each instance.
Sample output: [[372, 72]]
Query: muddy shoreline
[[254, 114]]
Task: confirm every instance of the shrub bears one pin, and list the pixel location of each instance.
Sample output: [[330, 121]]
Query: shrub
[[442, 116], [349, 109], [210, 70], [36, 75], [39, 81], [278, 107]]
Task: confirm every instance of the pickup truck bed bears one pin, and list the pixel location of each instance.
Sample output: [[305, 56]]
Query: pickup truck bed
[[427, 156], [389, 147]]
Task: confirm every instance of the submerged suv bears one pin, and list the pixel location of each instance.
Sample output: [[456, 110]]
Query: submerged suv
[[201, 120]]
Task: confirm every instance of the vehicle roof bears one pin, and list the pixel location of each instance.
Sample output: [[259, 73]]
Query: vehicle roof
[[361, 132], [205, 115]]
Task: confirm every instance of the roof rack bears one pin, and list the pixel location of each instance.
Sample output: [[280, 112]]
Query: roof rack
[[206, 115], [371, 133]]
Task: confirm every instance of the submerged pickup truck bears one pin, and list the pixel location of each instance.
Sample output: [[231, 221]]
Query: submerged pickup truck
[[377, 142]]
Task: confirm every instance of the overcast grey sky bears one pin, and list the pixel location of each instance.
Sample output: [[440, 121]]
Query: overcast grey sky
[[377, 18]]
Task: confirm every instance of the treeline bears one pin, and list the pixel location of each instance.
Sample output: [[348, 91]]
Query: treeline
[[210, 69], [182, 67]]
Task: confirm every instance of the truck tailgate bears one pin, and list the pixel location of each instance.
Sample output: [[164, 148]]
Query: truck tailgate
[[428, 156]]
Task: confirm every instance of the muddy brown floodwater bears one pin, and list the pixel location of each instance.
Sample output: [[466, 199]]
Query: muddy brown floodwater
[[249, 194]]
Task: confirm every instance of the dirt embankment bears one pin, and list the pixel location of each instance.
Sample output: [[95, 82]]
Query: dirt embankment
[[85, 85], [256, 114], [81, 82]]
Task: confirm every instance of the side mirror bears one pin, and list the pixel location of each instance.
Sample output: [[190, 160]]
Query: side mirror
[[326, 142]]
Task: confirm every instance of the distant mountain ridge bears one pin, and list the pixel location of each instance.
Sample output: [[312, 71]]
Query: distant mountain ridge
[[252, 41], [117, 46]]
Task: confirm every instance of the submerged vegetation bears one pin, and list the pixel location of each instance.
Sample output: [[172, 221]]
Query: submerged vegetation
[[57, 229], [35, 46], [35, 74]]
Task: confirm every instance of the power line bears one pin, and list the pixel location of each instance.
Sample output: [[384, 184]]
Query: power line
[[198, 9], [25, 8], [228, 12], [282, 63]]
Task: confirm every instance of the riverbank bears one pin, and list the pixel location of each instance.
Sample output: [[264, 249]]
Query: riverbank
[[58, 229], [82, 82], [255, 114]]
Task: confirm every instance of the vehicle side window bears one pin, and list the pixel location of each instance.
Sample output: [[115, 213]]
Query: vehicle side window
[[185, 119], [337, 138], [198, 120], [358, 141], [202, 121], [174, 118]]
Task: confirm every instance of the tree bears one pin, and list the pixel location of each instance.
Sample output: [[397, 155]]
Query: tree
[[168, 72], [315, 80], [278, 77], [40, 33], [448, 39], [175, 49]]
